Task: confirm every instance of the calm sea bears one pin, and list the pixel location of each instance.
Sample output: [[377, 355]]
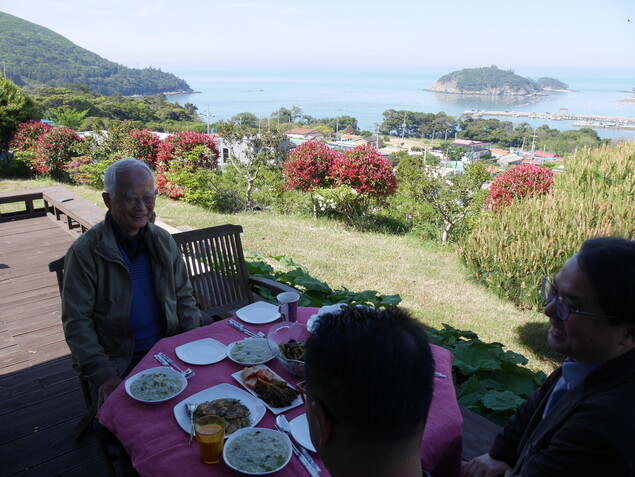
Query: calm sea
[[366, 93]]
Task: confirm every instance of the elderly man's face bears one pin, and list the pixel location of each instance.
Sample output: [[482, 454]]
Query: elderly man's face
[[134, 201]]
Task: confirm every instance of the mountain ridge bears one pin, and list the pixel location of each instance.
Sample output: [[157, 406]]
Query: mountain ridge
[[32, 55]]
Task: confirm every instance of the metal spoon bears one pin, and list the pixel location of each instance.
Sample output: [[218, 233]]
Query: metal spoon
[[190, 409], [283, 424]]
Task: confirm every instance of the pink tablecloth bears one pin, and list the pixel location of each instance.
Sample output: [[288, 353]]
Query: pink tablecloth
[[158, 446]]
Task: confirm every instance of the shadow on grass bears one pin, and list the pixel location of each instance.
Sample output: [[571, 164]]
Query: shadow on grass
[[533, 335]]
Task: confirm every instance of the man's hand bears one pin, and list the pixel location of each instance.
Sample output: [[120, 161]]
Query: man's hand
[[485, 466], [106, 389]]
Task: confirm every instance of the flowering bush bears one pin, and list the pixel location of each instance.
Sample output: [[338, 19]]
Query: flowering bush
[[143, 145], [308, 166], [183, 152], [363, 169], [27, 134], [523, 180], [55, 149]]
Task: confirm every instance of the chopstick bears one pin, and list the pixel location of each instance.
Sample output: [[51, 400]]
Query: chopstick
[[234, 324], [309, 468]]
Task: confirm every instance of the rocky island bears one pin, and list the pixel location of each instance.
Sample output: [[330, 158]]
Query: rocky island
[[494, 81]]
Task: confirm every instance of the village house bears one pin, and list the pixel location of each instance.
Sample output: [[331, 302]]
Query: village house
[[475, 149]]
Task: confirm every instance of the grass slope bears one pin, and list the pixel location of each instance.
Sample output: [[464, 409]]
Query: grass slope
[[430, 278]]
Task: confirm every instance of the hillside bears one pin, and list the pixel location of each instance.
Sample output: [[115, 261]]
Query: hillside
[[32, 55], [489, 80]]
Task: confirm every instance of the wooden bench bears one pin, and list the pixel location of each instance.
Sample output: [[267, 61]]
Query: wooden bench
[[58, 201], [27, 197], [478, 434]]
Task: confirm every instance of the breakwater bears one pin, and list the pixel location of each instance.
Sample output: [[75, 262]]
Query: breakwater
[[580, 120]]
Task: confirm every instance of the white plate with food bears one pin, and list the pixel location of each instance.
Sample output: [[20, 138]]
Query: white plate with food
[[258, 313], [257, 451], [250, 351], [205, 351], [299, 428], [155, 384], [215, 395], [277, 401]]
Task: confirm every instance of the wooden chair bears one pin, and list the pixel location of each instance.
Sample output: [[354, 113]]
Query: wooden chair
[[86, 421], [218, 271]]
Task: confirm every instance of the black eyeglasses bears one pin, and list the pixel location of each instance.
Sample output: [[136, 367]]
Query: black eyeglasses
[[563, 308], [304, 392], [131, 200]]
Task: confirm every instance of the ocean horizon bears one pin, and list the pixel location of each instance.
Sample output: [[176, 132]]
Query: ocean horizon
[[366, 92]]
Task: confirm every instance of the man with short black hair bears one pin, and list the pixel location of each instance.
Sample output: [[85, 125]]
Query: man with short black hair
[[369, 383]]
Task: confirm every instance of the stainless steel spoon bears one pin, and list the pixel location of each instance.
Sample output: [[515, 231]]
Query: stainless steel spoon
[[190, 409]]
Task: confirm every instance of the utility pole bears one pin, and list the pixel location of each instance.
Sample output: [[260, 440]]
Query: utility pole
[[533, 143], [403, 127]]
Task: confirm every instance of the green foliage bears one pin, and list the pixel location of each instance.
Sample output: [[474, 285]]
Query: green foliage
[[313, 292], [592, 198], [35, 55], [486, 80], [453, 197], [551, 83], [15, 107], [489, 380], [85, 170], [71, 118], [155, 112]]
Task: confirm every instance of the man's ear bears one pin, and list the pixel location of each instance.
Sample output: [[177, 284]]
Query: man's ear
[[107, 199], [629, 336], [320, 422]]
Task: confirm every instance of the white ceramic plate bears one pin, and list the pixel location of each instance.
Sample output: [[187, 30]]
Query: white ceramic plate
[[241, 447], [258, 313], [299, 428], [205, 351], [224, 390], [276, 410], [256, 351], [160, 369]]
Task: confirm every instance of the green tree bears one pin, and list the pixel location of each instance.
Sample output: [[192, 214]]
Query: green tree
[[252, 151], [245, 119], [453, 196], [15, 107], [71, 118]]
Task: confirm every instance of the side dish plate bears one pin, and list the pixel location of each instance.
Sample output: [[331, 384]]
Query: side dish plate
[[205, 351], [276, 410]]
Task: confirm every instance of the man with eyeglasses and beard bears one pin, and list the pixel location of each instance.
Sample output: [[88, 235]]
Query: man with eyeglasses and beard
[[581, 421], [125, 283]]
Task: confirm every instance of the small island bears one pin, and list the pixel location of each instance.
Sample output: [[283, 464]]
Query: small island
[[494, 81]]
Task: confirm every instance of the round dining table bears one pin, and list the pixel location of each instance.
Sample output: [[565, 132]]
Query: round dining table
[[158, 446]]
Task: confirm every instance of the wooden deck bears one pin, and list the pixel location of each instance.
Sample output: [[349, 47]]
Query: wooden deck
[[40, 397]]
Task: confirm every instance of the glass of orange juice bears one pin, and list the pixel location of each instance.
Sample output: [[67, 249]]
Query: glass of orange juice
[[210, 434]]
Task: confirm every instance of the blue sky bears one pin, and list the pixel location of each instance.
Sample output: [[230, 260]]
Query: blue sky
[[177, 35]]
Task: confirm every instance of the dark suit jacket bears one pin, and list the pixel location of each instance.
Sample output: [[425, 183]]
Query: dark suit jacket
[[589, 432]]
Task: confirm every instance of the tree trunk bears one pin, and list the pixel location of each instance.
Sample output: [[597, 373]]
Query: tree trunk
[[447, 226], [314, 203], [250, 186]]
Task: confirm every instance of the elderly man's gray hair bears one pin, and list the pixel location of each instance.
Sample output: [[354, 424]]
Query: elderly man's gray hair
[[110, 177]]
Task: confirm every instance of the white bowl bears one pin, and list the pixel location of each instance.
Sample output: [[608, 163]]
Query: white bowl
[[232, 448], [160, 369], [250, 359]]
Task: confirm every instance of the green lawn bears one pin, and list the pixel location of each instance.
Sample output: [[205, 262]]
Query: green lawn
[[430, 278]]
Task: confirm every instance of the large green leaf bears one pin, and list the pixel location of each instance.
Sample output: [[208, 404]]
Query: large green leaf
[[470, 359], [501, 401]]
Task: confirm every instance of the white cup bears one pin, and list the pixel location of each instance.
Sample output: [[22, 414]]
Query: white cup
[[288, 305]]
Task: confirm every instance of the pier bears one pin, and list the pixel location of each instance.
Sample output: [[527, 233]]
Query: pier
[[581, 120]]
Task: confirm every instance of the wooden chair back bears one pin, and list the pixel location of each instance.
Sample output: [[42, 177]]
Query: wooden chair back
[[217, 268]]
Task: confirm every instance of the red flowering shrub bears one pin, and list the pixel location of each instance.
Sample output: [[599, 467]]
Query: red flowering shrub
[[308, 166], [55, 149], [27, 134], [183, 152], [366, 171], [523, 180], [143, 145]]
